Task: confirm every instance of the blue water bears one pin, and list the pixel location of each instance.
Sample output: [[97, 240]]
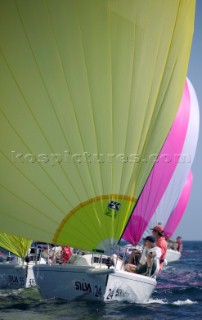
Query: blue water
[[177, 295]]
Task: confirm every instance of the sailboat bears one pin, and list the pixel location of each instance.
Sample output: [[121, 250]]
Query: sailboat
[[13, 271], [90, 89], [17, 258]]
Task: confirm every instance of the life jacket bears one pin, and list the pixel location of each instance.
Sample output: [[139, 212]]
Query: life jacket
[[66, 254]]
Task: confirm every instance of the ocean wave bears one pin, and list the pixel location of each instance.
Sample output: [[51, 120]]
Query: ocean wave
[[180, 303], [177, 303]]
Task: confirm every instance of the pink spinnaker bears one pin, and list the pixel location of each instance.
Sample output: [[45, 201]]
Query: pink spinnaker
[[161, 173], [176, 184]]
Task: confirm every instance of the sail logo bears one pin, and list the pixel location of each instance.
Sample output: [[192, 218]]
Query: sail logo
[[114, 205], [112, 209]]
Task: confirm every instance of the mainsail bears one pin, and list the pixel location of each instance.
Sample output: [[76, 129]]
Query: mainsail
[[89, 90]]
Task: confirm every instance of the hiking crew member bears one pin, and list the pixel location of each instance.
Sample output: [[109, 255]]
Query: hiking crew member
[[158, 233]]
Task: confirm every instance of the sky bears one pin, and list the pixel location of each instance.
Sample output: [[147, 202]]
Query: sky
[[190, 227]]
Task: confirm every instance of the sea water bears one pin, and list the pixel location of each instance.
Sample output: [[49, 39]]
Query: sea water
[[177, 295]]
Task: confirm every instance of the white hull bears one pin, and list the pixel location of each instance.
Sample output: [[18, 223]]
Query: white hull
[[12, 276], [16, 276], [70, 282], [172, 255], [128, 286]]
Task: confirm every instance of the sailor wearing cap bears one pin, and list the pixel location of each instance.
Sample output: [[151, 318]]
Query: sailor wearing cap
[[158, 233], [149, 262]]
